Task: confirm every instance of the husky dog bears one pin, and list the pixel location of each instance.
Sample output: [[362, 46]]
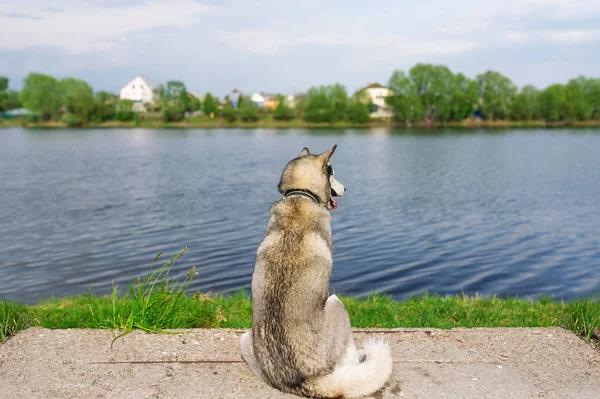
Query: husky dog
[[301, 341]]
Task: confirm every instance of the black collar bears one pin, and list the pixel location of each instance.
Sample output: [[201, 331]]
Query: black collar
[[299, 192]]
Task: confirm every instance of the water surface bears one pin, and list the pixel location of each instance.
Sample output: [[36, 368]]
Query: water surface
[[494, 213]]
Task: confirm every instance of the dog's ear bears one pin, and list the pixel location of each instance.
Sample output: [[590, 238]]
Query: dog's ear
[[327, 154], [304, 152]]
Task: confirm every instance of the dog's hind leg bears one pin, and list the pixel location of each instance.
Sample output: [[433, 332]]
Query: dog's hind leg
[[339, 333], [247, 349]]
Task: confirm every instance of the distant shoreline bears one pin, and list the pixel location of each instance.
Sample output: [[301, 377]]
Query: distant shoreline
[[296, 124]]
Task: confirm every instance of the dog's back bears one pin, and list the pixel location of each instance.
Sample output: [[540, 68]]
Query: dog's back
[[301, 339], [290, 285]]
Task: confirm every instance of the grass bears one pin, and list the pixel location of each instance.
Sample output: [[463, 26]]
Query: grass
[[158, 302], [583, 317], [267, 121], [153, 304], [13, 317]]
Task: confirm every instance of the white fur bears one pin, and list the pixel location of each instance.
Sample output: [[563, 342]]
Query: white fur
[[353, 379], [316, 244], [337, 186]]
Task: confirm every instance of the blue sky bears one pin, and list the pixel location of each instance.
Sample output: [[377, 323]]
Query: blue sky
[[288, 46]]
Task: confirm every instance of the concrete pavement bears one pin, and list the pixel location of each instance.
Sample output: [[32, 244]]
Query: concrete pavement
[[428, 363]]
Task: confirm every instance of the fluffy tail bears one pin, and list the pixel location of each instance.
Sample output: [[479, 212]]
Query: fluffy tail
[[357, 379]]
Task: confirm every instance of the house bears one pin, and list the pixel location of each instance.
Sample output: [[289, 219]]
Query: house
[[258, 99], [290, 101], [294, 100], [139, 90], [199, 96], [271, 100], [234, 97], [376, 94]]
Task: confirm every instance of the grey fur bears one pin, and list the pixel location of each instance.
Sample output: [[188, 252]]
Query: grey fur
[[299, 333]]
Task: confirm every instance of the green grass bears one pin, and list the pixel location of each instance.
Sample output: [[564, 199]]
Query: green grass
[[267, 121], [157, 302], [13, 317], [583, 317], [152, 304]]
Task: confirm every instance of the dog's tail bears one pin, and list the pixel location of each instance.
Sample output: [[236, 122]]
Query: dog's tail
[[356, 379]]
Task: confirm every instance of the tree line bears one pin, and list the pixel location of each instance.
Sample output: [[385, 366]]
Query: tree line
[[433, 92], [73, 102], [426, 93]]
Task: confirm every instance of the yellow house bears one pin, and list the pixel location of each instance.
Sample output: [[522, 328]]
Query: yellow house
[[271, 100]]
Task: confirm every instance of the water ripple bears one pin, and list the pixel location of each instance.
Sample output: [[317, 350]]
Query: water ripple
[[503, 214]]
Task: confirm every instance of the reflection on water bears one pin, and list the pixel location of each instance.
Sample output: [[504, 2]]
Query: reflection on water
[[509, 213]]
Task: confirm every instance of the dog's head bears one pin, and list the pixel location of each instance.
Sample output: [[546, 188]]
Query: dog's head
[[313, 173]]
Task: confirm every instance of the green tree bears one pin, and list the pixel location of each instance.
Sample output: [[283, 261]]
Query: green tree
[[194, 104], [358, 112], [125, 111], [41, 94], [339, 102], [317, 105], [404, 100], [464, 94], [210, 105], [249, 111], [552, 102], [70, 119], [174, 100], [105, 107], [12, 100], [173, 113], [433, 84], [326, 104], [283, 112], [300, 105], [498, 93], [577, 104], [229, 113], [525, 104], [77, 98], [3, 93], [593, 97]]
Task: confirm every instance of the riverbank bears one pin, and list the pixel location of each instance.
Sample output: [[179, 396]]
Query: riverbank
[[156, 302], [173, 311], [207, 123]]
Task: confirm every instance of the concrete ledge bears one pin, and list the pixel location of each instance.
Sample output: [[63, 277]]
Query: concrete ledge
[[429, 363]]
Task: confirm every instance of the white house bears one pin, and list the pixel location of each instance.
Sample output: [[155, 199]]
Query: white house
[[258, 99], [139, 90], [290, 101], [234, 97], [377, 94]]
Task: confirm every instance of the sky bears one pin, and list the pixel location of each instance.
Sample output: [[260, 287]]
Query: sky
[[288, 46]]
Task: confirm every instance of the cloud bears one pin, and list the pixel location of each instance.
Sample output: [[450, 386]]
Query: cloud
[[265, 42], [52, 9], [88, 28], [553, 36], [278, 45], [573, 36], [17, 15]]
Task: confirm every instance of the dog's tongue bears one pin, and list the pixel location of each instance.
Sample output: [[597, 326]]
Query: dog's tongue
[[334, 202]]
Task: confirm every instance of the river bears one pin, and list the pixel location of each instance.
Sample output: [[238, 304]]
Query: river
[[500, 212]]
